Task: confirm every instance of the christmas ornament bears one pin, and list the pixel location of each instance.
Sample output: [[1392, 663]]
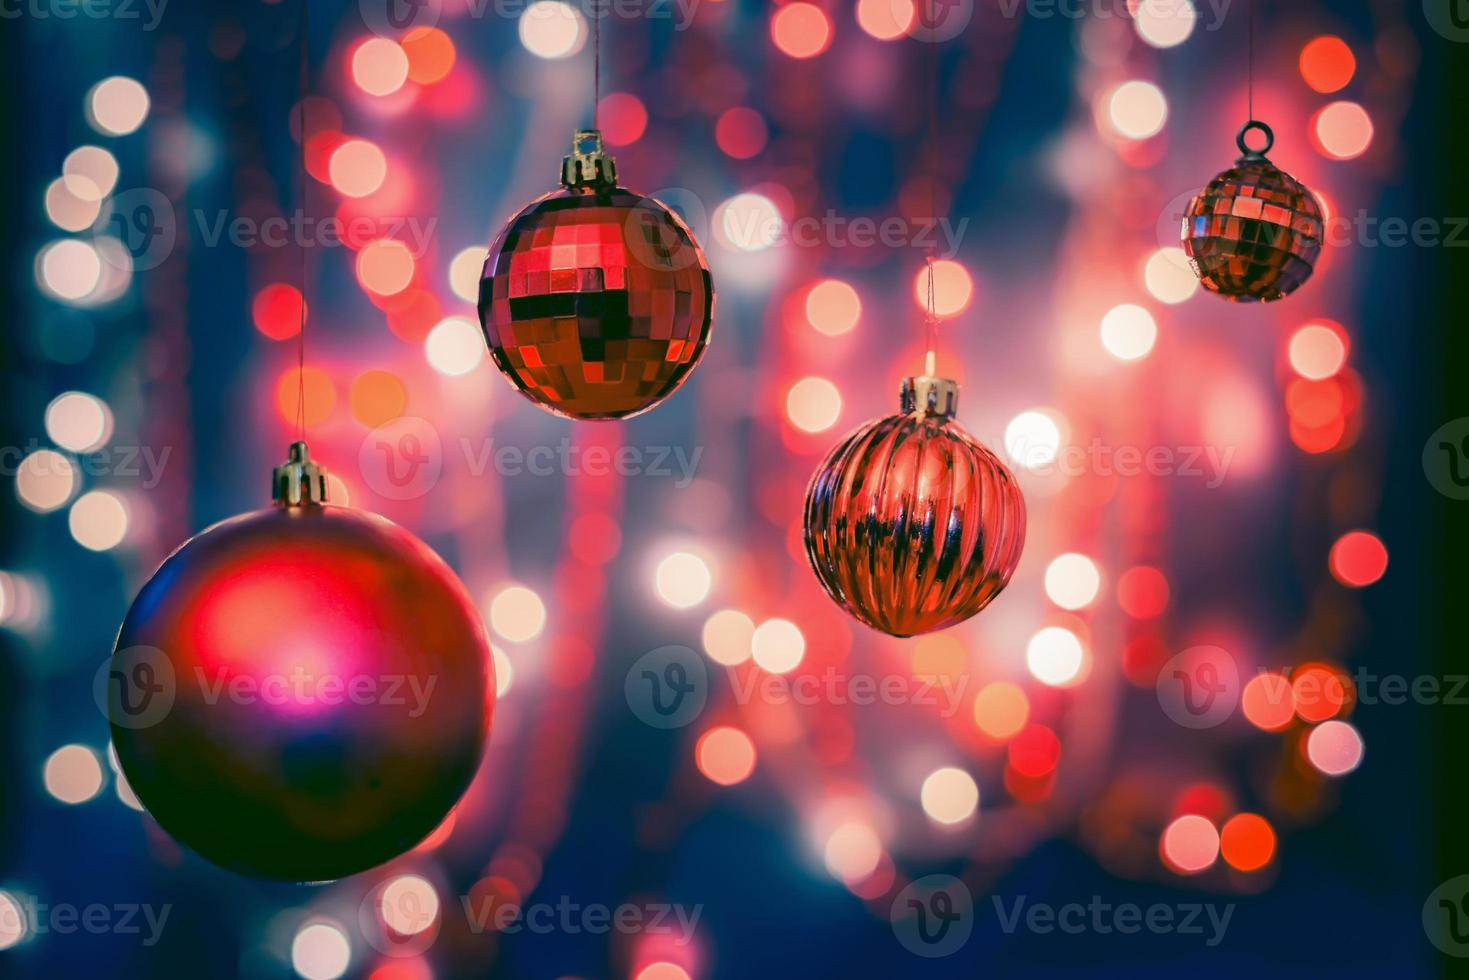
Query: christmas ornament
[[596, 301], [301, 692], [1255, 232], [911, 524]]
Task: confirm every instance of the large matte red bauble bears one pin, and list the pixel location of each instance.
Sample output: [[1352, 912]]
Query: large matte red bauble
[[911, 524], [1255, 232], [596, 302], [301, 693]]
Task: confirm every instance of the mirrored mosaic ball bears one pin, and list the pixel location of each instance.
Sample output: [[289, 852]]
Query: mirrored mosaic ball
[[1253, 234], [596, 303]]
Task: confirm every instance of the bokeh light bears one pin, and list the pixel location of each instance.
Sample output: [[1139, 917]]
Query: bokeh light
[[1142, 592], [385, 267], [98, 520], [623, 118], [320, 951], [431, 54], [465, 269], [1072, 581], [833, 307], [12, 921], [90, 172], [117, 106], [1267, 701], [682, 580], [78, 422], [69, 269], [1190, 844], [949, 795], [813, 404], [727, 637], [73, 774], [853, 851], [740, 132], [1001, 710], [1358, 558], [551, 29], [777, 646], [1318, 350], [1164, 23], [276, 311], [725, 755], [1137, 109], [1054, 656], [357, 168], [1343, 130], [1168, 277], [800, 29], [953, 288], [1327, 64], [379, 66], [886, 20], [320, 391], [1032, 440], [1129, 332], [409, 904], [45, 480], [517, 614], [454, 346], [749, 222], [1334, 747], [377, 397], [66, 209], [1247, 842]]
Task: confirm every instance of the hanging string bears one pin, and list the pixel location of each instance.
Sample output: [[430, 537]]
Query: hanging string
[[1250, 45], [302, 86], [596, 66], [930, 360]]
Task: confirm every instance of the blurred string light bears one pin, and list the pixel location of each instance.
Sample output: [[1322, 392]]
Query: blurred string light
[[727, 637], [320, 951], [682, 580], [504, 671], [464, 272], [1358, 558], [117, 106], [725, 755], [1334, 747], [13, 920], [623, 118], [1327, 64], [1318, 350], [517, 613], [90, 172], [1137, 109], [1032, 440], [800, 29], [1267, 701], [1129, 332], [662, 970], [385, 267], [98, 520], [45, 480], [455, 346], [68, 211], [409, 905], [357, 168], [748, 222], [552, 30], [740, 132], [833, 307], [949, 795], [886, 20], [1142, 592], [1190, 844], [853, 851], [276, 311], [431, 54], [953, 288], [78, 422], [73, 774], [320, 394], [813, 404], [1072, 581], [377, 397], [1054, 656], [1168, 277], [69, 269], [1342, 130], [1001, 710], [379, 66], [1247, 842], [1164, 23], [777, 646]]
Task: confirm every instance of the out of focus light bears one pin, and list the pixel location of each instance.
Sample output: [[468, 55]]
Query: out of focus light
[[517, 614], [320, 391], [357, 168], [885, 20], [430, 54], [1247, 842], [1267, 701], [949, 795], [800, 29], [66, 209], [1001, 710], [853, 851], [725, 755], [379, 66], [741, 132], [90, 172], [813, 404], [1164, 23], [623, 118], [662, 970], [377, 397], [1343, 130], [552, 29], [1054, 656], [385, 267], [98, 521], [727, 637], [1358, 558], [1334, 747], [833, 307], [1034, 752], [777, 646], [73, 774], [12, 921], [455, 346], [1318, 350], [117, 106], [1318, 692], [1032, 440], [1142, 592], [1327, 64], [78, 422], [504, 671], [1128, 332], [465, 270], [1190, 844], [1072, 581], [1137, 109], [320, 951], [45, 480], [69, 269], [409, 905], [749, 222], [276, 311], [1168, 277], [953, 288], [682, 580]]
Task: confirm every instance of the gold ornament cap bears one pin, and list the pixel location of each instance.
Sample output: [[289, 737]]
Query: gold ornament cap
[[588, 166], [926, 394], [298, 482]]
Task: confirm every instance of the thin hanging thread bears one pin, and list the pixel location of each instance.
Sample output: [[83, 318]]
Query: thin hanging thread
[[596, 69], [1250, 45], [302, 85], [930, 360]]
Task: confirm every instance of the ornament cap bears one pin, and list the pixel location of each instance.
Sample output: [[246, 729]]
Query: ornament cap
[[1252, 155], [926, 394], [588, 166], [298, 482]]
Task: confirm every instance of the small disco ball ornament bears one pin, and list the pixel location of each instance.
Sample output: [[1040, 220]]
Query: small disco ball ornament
[[1255, 232], [911, 524], [303, 692], [596, 301]]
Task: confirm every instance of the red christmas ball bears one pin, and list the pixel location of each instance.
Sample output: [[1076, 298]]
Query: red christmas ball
[[911, 524], [596, 301], [1255, 232], [301, 693]]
